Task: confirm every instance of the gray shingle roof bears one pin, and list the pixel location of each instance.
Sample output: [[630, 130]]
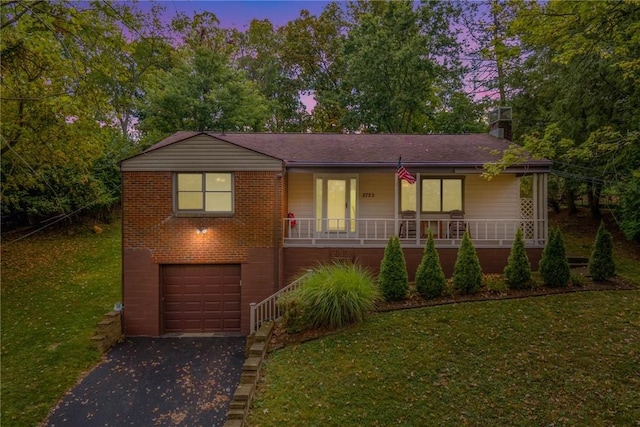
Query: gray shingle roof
[[327, 149]]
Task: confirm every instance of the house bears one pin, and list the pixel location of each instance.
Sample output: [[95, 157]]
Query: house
[[214, 222]]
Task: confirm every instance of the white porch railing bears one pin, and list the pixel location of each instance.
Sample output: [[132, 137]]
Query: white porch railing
[[490, 232], [268, 309]]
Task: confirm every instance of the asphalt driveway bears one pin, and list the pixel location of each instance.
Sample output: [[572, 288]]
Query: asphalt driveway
[[157, 382]]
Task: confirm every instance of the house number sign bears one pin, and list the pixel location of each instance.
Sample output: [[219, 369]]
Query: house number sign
[[369, 195]]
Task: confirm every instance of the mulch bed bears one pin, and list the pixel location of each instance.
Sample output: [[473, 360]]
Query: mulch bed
[[281, 338]]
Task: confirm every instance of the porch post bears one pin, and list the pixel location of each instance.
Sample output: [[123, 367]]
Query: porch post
[[545, 209], [535, 195], [396, 204], [418, 204]]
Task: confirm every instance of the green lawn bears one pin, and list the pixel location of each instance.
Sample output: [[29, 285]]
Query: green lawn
[[570, 359], [55, 288]]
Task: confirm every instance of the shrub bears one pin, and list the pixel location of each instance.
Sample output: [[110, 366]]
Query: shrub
[[331, 296], [601, 264], [293, 315], [554, 267], [467, 273], [430, 280], [577, 279], [494, 283], [393, 279], [518, 270]]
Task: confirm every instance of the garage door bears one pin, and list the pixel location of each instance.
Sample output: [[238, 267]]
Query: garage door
[[201, 298]]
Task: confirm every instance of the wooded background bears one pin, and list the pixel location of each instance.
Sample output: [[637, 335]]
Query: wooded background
[[85, 85]]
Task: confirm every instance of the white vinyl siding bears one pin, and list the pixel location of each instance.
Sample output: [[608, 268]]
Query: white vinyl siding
[[498, 198], [202, 153], [376, 193]]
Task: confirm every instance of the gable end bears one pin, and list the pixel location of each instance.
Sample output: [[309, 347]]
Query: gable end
[[201, 153]]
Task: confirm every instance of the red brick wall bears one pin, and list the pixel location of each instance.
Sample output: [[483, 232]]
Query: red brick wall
[[493, 260], [150, 225]]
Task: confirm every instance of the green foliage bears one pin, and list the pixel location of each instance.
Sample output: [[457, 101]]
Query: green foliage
[[430, 279], [518, 269], [554, 266], [601, 264], [203, 93], [331, 296], [630, 209], [577, 279], [393, 278], [494, 283], [467, 272]]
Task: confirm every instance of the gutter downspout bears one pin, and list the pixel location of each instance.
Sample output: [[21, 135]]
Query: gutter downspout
[[277, 232]]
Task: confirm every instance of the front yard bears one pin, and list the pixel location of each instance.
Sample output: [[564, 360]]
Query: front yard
[[568, 359], [55, 288]]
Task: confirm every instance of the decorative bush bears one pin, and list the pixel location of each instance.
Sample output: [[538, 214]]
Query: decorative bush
[[293, 315], [577, 279], [494, 283], [331, 296], [601, 264], [518, 270], [467, 273], [554, 267], [393, 279], [430, 280]]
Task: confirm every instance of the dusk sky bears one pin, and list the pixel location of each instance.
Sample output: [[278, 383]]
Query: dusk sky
[[239, 13]]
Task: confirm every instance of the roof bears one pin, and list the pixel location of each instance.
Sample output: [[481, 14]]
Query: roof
[[369, 150]]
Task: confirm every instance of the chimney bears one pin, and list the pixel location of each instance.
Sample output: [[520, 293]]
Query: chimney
[[500, 123]]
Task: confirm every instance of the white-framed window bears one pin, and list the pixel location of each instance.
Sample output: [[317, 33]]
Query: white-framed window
[[441, 194], [207, 192]]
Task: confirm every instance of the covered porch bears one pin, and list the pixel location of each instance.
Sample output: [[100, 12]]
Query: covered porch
[[364, 210]]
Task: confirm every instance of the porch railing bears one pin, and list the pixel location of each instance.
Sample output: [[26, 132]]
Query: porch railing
[[376, 230], [268, 308]]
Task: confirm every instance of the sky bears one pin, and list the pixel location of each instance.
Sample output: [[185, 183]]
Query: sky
[[239, 13]]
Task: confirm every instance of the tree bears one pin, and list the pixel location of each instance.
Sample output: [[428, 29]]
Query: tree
[[313, 48], [51, 130], [393, 279], [393, 74], [581, 75], [601, 264], [260, 55], [554, 266], [630, 209], [430, 279], [467, 272], [202, 94], [518, 269]]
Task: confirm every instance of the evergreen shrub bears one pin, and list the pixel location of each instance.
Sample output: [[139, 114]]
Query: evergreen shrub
[[554, 266], [518, 270], [393, 279], [430, 279], [467, 273], [601, 264]]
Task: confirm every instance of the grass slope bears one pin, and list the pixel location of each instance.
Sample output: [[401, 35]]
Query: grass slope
[[559, 360], [55, 288]]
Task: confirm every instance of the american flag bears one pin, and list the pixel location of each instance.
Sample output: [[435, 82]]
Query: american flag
[[403, 173]]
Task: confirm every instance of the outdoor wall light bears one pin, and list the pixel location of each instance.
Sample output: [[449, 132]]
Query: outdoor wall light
[[201, 230]]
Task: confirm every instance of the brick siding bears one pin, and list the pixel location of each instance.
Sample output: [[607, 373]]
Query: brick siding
[[150, 226]]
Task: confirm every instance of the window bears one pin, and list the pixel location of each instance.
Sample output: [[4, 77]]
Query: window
[[441, 194], [407, 196], [204, 192]]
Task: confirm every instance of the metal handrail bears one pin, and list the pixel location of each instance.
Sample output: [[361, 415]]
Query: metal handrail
[[268, 308]]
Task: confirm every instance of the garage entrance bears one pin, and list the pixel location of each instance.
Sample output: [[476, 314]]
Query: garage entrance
[[201, 298]]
